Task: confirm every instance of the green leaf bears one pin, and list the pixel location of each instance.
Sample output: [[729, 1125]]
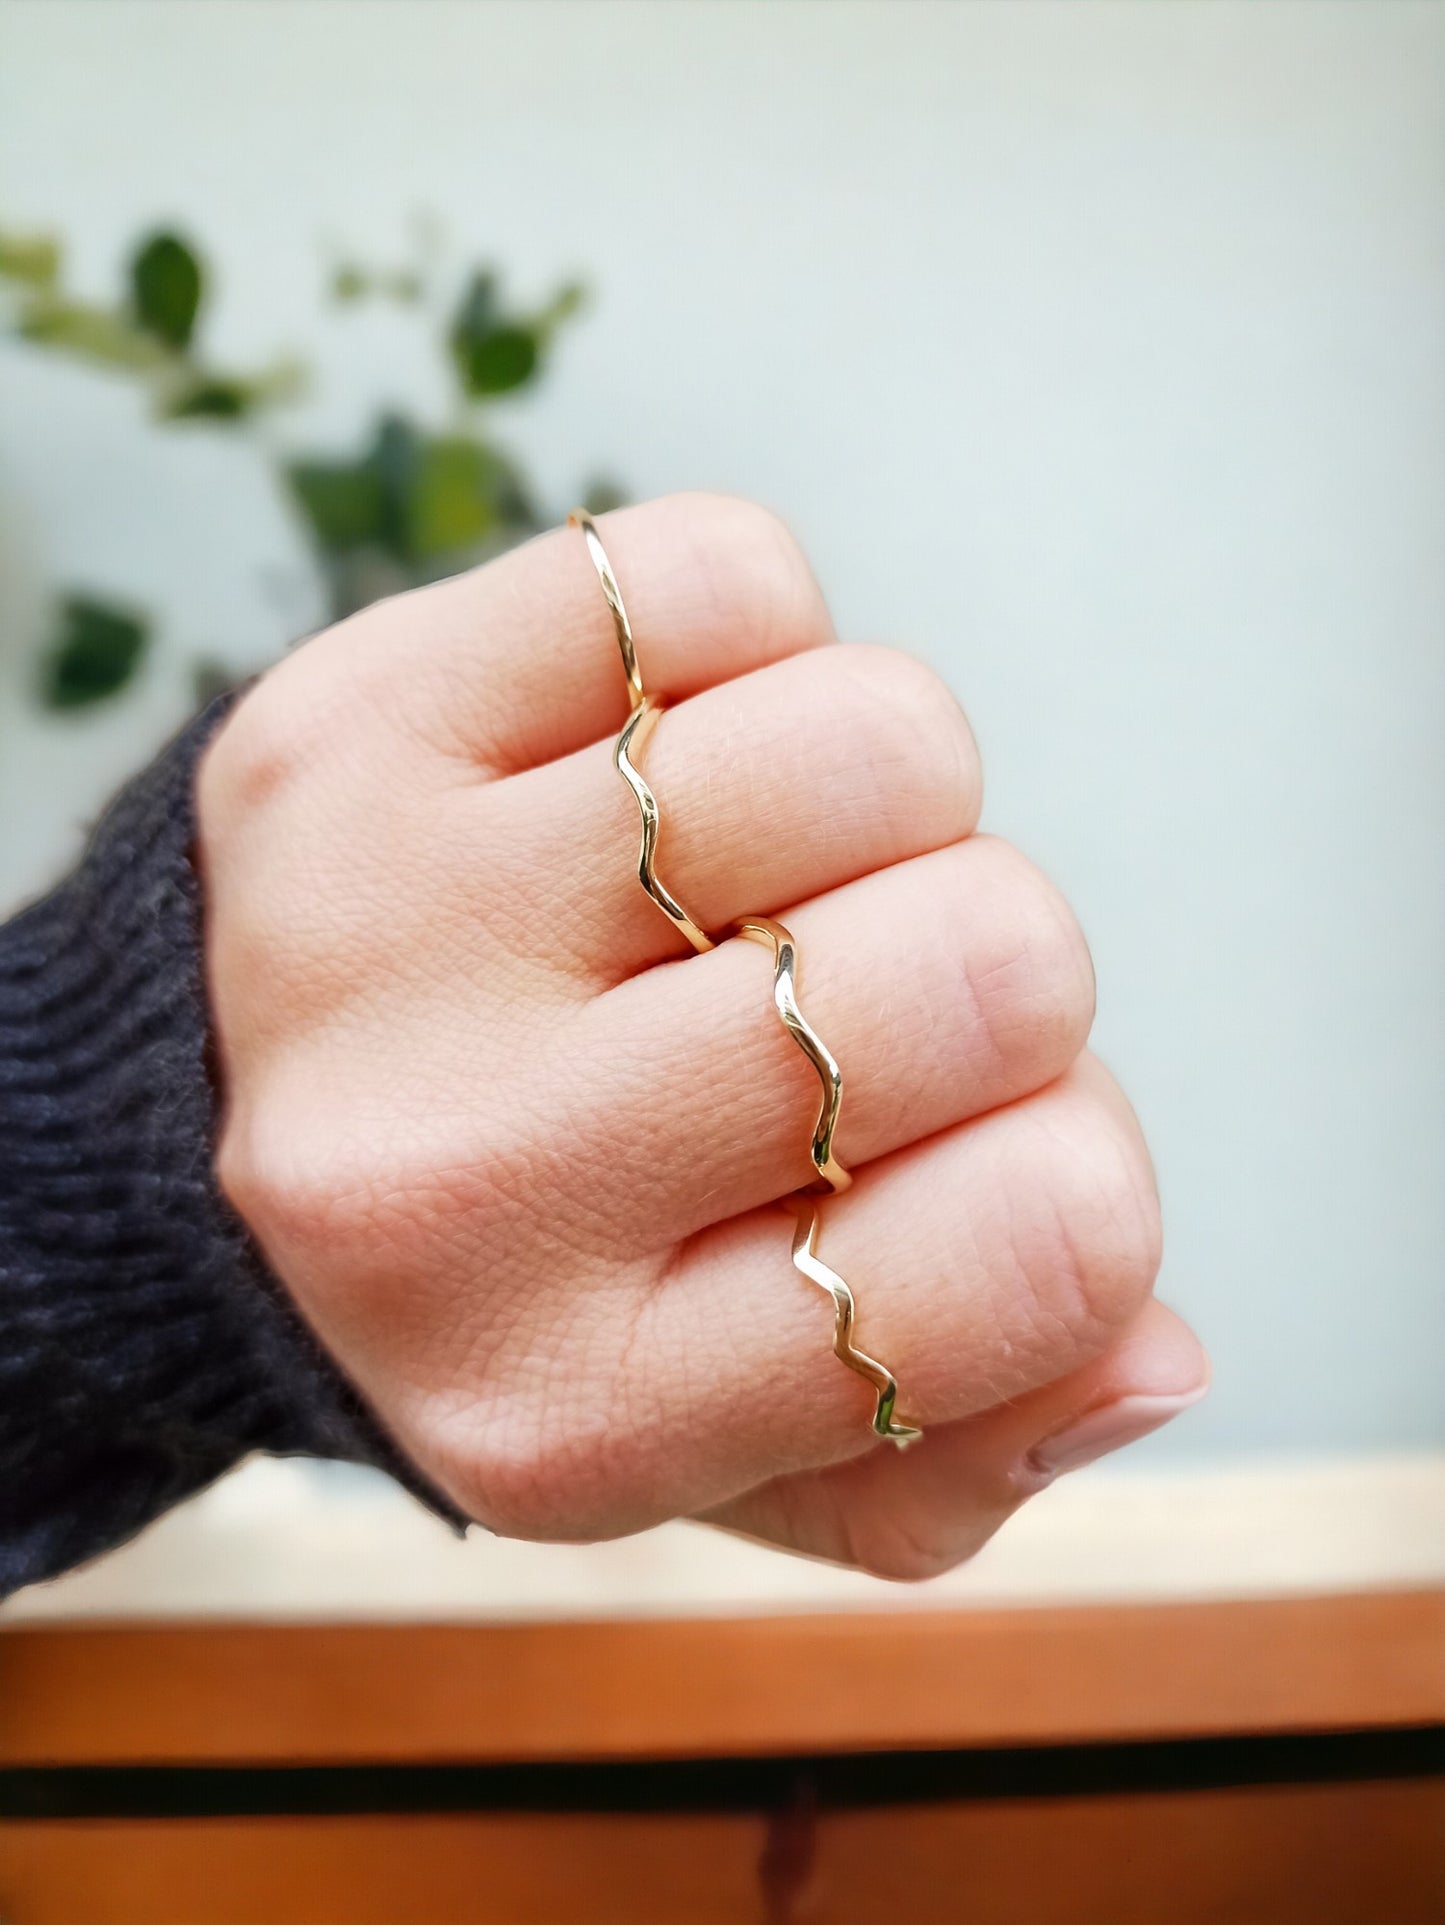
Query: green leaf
[[33, 259], [395, 455], [411, 505], [362, 504], [212, 397], [97, 650], [166, 285], [493, 354], [453, 501], [502, 360], [343, 501]]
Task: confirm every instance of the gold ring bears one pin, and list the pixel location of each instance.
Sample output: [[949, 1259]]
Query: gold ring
[[831, 1177], [831, 1173], [806, 1259], [579, 518], [635, 731]]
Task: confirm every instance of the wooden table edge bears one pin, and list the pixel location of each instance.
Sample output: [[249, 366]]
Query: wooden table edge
[[242, 1693]]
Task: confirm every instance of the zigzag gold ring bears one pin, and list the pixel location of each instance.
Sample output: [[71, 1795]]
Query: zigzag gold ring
[[807, 1260], [635, 730], [831, 1177], [831, 1174]]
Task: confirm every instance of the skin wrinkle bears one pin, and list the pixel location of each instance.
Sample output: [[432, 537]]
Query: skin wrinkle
[[541, 1457], [511, 1149]]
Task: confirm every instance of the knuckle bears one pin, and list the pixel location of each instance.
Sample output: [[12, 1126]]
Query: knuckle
[[1106, 1242], [561, 1445], [301, 1194], [1033, 984], [526, 1473], [748, 561], [267, 741], [511, 1481], [918, 735]]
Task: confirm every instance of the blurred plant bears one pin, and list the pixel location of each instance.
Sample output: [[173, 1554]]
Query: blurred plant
[[418, 502], [148, 333]]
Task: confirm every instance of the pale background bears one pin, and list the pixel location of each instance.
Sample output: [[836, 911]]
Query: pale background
[[1094, 351]]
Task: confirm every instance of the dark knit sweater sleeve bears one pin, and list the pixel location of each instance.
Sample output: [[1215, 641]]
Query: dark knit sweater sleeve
[[144, 1348]]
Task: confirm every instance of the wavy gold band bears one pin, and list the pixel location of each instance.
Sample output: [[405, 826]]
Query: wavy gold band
[[831, 1175], [806, 1259], [635, 731]]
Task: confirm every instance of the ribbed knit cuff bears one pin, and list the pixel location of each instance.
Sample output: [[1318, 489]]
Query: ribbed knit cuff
[[144, 1347]]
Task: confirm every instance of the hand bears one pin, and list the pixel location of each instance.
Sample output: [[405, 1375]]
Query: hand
[[516, 1152]]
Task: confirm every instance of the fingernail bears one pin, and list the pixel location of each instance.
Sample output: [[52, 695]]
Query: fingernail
[[1109, 1428]]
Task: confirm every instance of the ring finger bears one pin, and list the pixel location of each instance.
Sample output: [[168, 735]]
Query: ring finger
[[987, 1262]]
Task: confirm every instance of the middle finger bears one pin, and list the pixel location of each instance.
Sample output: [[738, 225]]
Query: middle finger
[[945, 987], [771, 788]]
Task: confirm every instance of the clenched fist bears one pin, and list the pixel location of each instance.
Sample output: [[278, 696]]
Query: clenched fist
[[516, 1152]]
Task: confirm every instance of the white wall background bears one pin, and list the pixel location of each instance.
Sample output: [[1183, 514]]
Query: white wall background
[[1095, 352]]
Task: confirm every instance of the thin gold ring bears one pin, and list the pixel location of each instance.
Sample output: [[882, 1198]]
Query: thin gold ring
[[831, 1175], [635, 731], [896, 1430], [627, 648]]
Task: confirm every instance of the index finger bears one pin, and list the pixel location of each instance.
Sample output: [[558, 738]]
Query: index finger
[[519, 660]]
